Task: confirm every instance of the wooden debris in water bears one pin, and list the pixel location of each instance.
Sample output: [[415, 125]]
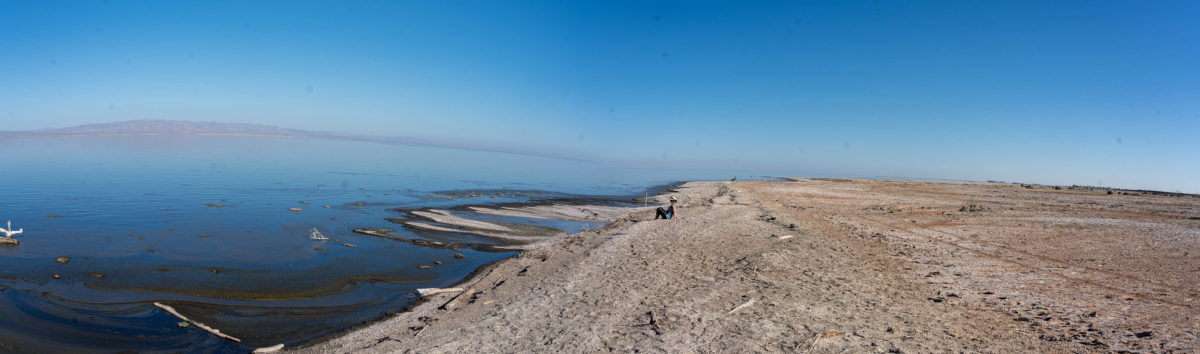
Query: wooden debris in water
[[438, 263], [294, 209], [303, 202], [316, 235], [63, 260], [459, 255], [435, 291], [326, 207], [270, 349], [54, 216], [214, 331], [359, 203], [9, 241], [56, 276], [423, 266], [349, 245], [96, 275], [374, 232], [215, 205], [442, 196]]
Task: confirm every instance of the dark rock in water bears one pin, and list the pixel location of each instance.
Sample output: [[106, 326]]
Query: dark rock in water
[[215, 271], [96, 275], [438, 263], [427, 243], [320, 249], [459, 255]]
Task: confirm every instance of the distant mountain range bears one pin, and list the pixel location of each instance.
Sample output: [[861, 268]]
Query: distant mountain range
[[166, 127], [177, 127]]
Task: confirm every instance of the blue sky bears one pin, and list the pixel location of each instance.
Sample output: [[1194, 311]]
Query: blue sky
[[1062, 92]]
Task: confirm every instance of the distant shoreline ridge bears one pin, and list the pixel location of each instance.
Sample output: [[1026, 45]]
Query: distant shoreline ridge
[[36, 136], [153, 127]]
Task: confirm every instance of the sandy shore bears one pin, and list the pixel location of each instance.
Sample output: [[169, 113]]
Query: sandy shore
[[836, 265]]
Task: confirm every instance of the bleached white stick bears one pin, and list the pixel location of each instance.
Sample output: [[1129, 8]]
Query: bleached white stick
[[270, 349], [435, 291], [742, 306], [214, 331]]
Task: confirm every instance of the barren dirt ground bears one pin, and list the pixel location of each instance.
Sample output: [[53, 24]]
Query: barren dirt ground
[[837, 265]]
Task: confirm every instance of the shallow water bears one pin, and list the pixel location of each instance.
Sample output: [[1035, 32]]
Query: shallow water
[[131, 214]]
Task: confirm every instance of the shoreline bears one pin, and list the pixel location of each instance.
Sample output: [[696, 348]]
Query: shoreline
[[811, 265], [548, 208]]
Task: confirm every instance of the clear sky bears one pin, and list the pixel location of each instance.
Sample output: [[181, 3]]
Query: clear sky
[[1059, 92]]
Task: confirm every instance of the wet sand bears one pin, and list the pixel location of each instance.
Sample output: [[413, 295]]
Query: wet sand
[[836, 265]]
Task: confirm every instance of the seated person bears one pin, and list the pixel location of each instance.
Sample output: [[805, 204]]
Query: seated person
[[668, 213]]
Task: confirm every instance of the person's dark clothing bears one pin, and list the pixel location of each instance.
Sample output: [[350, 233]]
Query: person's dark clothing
[[668, 213]]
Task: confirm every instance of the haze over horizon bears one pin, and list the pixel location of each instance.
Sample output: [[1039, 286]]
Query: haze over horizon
[[1091, 93]]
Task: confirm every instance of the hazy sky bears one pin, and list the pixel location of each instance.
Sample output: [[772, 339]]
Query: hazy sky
[[1061, 92]]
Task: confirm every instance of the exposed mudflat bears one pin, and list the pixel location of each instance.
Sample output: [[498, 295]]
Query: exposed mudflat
[[832, 266]]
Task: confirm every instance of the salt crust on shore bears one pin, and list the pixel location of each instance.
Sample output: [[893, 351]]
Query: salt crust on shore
[[871, 266]]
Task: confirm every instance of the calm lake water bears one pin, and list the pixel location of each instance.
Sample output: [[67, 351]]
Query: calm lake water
[[131, 214]]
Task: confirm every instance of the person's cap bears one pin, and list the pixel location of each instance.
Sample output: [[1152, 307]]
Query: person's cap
[[673, 199]]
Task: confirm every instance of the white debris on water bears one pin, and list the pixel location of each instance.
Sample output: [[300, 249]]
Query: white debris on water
[[316, 235]]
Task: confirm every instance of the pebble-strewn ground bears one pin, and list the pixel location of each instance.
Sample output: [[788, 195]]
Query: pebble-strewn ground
[[838, 265]]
